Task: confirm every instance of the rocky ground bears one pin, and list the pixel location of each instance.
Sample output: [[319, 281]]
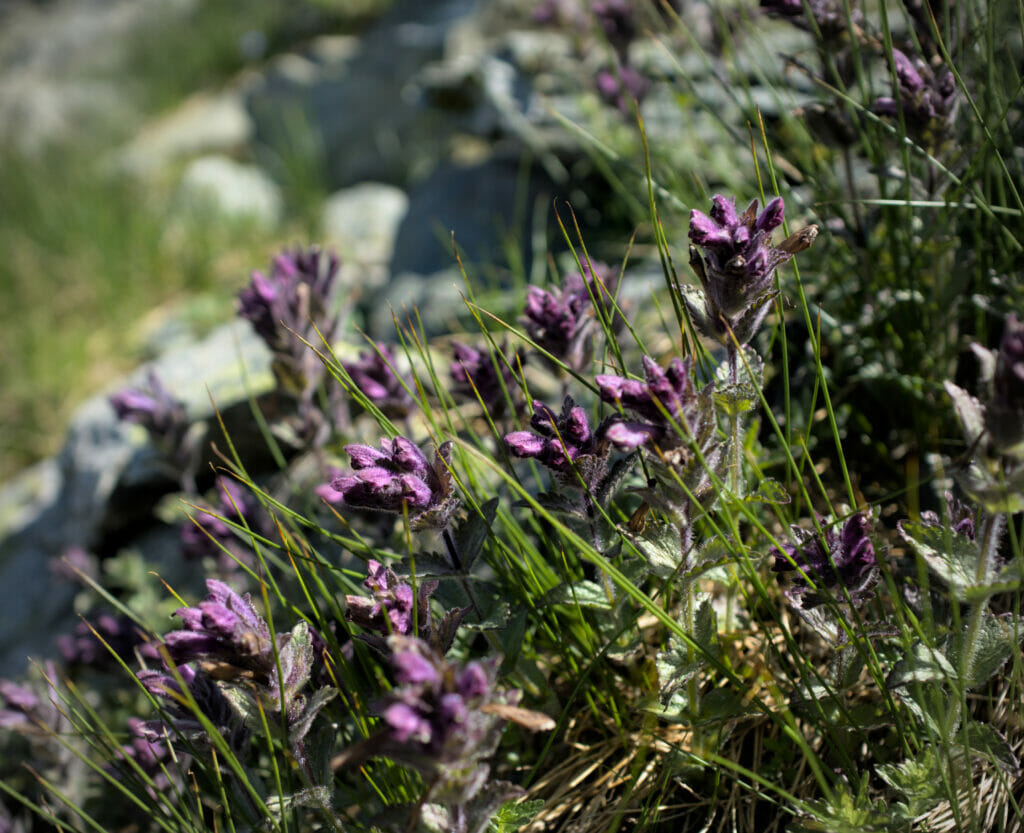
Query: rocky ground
[[441, 117]]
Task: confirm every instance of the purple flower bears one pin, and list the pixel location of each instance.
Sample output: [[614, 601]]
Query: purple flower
[[392, 607], [617, 19], [210, 535], [399, 476], [564, 322], [960, 517], [621, 87], [481, 376], [828, 15], [19, 704], [437, 717], [83, 647], [152, 407], [224, 628], [164, 418], [927, 98], [373, 373], [560, 439], [666, 401], [292, 306], [735, 262], [832, 561]]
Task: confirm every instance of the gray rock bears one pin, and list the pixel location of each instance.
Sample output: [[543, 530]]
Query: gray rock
[[203, 123], [106, 481], [362, 221], [231, 189], [366, 108]]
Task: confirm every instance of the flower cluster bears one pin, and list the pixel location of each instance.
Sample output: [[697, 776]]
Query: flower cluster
[[564, 322], [396, 478], [480, 376], [441, 718], [223, 628], [829, 16], [928, 99], [210, 535], [119, 634], [374, 374], [558, 441], [231, 642], [735, 262], [291, 308], [829, 562], [667, 403], [163, 416]]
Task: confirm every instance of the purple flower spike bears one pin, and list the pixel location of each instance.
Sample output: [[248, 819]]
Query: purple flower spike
[[928, 98], [398, 475], [391, 608], [832, 561], [165, 420], [152, 407], [560, 439], [226, 628], [828, 15], [564, 322], [374, 374], [621, 87], [294, 304], [667, 402], [440, 718], [482, 377], [735, 262], [210, 535]]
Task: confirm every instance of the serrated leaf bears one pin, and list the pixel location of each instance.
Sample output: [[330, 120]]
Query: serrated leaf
[[921, 665], [845, 667], [486, 803], [743, 395], [676, 666], [970, 412], [986, 742], [514, 815], [996, 643], [705, 628], [244, 703], [662, 548], [300, 728], [278, 805], [581, 593], [610, 482], [955, 561], [473, 532], [769, 491], [494, 618]]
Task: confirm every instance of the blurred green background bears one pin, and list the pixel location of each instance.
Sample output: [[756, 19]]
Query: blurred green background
[[95, 261]]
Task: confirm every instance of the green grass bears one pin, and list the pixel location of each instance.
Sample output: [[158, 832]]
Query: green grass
[[639, 608]]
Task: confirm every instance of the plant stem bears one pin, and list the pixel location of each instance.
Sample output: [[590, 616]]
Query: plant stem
[[735, 447]]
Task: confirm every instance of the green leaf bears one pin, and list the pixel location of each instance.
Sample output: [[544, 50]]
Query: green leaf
[[970, 412], [744, 395], [769, 491], [662, 548], [300, 728], [997, 640], [471, 534], [495, 617], [955, 560], [921, 665], [580, 593], [515, 814], [986, 742]]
